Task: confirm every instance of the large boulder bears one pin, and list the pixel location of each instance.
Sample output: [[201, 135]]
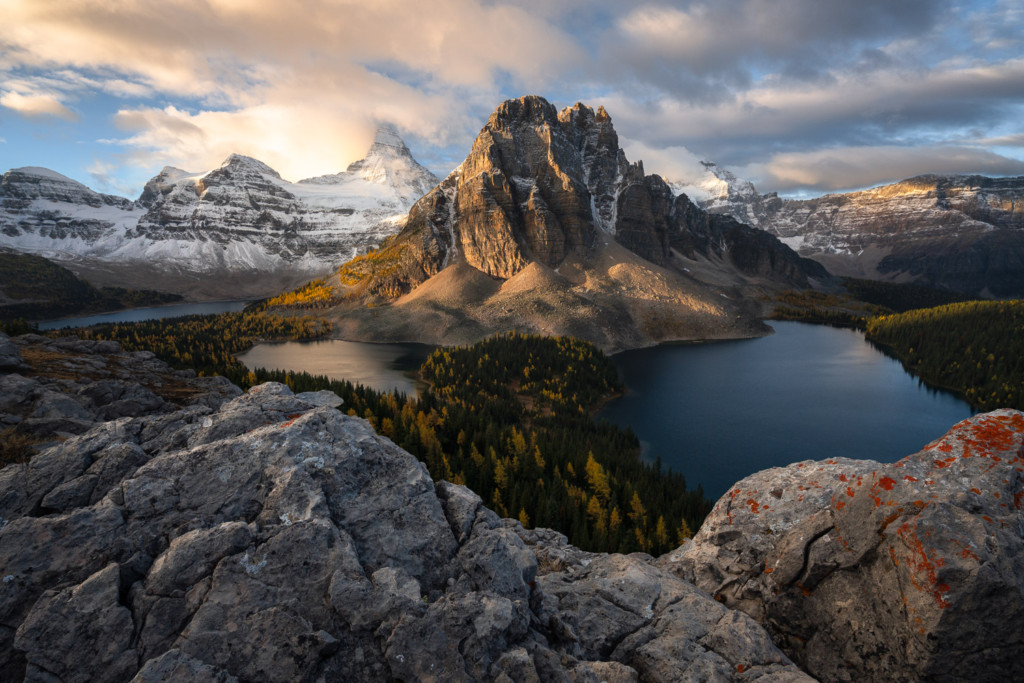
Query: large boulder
[[276, 538], [860, 570]]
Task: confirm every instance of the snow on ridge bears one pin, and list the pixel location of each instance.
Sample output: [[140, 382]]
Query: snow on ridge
[[241, 215], [40, 172]]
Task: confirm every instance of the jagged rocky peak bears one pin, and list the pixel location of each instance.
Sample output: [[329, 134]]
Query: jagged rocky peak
[[388, 163], [387, 141], [539, 185]]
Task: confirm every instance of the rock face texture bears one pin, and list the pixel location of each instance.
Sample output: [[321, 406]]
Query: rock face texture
[[241, 219], [275, 538], [539, 185], [54, 388], [547, 228], [964, 233], [863, 571]]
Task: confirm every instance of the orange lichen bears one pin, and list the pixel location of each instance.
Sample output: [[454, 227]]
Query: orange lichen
[[976, 490], [886, 483], [907, 477], [849, 492], [842, 477]]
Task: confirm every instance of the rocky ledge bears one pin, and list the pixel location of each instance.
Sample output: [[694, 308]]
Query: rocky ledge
[[859, 570], [268, 536], [54, 388], [275, 538]]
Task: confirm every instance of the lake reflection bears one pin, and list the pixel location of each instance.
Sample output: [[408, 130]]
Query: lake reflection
[[384, 367], [717, 412], [131, 315]]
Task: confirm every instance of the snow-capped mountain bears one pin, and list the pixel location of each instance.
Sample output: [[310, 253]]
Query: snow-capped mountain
[[240, 222], [964, 233]]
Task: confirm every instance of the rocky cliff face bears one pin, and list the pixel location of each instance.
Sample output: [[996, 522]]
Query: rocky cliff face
[[540, 185], [964, 233], [547, 228], [241, 219], [271, 537], [867, 571]]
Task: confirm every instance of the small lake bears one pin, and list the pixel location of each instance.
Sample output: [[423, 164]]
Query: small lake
[[131, 315], [719, 411], [384, 367]]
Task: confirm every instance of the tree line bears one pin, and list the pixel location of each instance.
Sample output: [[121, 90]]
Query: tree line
[[975, 348]]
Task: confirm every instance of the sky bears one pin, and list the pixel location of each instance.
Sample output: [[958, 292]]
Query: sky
[[802, 97]]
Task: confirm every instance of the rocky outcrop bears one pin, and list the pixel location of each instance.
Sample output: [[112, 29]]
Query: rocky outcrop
[[241, 219], [540, 185], [54, 388], [275, 538], [964, 233], [867, 571]]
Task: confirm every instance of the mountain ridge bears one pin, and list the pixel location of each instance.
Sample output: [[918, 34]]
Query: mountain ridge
[[237, 230], [547, 203], [962, 232]]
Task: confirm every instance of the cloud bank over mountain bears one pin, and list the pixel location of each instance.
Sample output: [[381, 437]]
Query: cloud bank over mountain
[[754, 85]]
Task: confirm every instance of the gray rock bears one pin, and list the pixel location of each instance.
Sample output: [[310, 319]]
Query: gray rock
[[61, 621], [899, 571], [175, 665], [320, 398], [10, 355], [275, 539]]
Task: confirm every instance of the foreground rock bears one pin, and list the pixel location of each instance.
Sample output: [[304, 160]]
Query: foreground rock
[[859, 570], [274, 538], [54, 388]]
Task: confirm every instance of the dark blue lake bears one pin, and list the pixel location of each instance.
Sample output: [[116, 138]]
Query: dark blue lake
[[151, 313], [719, 411]]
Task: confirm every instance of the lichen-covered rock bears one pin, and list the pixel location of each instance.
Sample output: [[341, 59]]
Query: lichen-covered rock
[[276, 538], [900, 571]]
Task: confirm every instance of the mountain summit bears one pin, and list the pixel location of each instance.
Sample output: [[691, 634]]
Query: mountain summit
[[237, 230], [547, 206]]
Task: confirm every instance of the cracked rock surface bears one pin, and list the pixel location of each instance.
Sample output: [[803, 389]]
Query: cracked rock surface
[[866, 571], [275, 538]]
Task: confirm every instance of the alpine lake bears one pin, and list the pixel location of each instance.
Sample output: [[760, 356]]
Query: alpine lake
[[714, 411]]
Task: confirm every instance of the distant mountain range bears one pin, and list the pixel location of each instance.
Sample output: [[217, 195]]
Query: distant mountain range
[[547, 227], [963, 233], [238, 230]]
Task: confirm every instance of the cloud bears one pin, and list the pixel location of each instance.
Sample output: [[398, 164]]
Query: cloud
[[891, 106], [856, 167], [301, 88], [34, 106], [740, 82]]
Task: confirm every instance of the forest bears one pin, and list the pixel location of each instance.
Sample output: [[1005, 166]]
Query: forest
[[510, 417], [975, 348], [35, 288]]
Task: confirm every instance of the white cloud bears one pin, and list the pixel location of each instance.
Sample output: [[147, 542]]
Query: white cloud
[[857, 167], [37, 105], [299, 89]]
